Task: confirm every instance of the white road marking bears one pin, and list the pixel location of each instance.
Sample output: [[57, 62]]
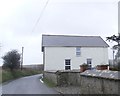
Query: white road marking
[[41, 81]]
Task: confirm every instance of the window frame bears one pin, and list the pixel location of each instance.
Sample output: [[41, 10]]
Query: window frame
[[89, 62], [78, 51], [67, 64]]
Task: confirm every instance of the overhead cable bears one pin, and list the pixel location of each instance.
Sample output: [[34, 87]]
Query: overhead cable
[[40, 16]]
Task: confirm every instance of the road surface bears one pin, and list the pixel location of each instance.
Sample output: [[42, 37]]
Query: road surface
[[27, 85]]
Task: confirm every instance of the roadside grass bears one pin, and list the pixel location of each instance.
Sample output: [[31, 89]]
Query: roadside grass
[[49, 83], [8, 75], [0, 75]]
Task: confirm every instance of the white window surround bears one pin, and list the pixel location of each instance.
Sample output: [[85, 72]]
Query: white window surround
[[89, 62], [67, 64]]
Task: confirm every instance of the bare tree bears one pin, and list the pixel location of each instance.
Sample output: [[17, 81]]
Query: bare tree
[[116, 39], [116, 47]]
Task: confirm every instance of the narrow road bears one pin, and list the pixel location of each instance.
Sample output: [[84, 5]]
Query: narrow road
[[27, 85]]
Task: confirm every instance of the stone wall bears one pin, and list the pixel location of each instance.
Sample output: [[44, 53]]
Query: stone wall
[[51, 76], [92, 85], [100, 82], [87, 83], [68, 78]]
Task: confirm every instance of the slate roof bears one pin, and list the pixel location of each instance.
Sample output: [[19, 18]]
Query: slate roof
[[73, 41]]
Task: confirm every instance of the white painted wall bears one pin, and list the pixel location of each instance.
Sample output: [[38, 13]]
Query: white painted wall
[[55, 57]]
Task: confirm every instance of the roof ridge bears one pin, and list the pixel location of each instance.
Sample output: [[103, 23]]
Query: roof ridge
[[68, 35]]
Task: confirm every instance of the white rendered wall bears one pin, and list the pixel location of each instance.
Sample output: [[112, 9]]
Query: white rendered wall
[[55, 57]]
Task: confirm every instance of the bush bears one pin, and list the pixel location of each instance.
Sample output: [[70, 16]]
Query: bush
[[84, 65], [11, 60], [116, 66]]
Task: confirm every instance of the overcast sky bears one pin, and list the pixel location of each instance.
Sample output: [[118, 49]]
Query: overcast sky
[[71, 17]]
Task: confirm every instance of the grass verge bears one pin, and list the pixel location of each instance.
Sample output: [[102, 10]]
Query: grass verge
[[49, 83], [8, 75], [0, 75]]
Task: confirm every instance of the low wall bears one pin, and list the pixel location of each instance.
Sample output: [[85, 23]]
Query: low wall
[[51, 76], [87, 82], [66, 78], [92, 85]]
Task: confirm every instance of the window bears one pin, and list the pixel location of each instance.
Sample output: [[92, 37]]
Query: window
[[67, 64], [67, 67], [89, 62], [78, 51]]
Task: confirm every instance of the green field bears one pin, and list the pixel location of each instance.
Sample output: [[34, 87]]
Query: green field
[[0, 75], [6, 75]]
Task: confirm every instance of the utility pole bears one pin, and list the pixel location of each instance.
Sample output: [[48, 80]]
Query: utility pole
[[113, 56], [22, 58]]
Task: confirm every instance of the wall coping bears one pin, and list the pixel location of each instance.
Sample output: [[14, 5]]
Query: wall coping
[[63, 71], [102, 74], [105, 74]]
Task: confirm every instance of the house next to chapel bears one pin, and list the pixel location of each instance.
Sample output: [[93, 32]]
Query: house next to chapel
[[64, 52]]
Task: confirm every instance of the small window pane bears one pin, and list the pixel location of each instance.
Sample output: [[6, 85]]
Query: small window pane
[[78, 49], [67, 68], [77, 53], [89, 61], [67, 62]]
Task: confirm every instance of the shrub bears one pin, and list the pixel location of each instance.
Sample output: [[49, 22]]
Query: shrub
[[11, 60]]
